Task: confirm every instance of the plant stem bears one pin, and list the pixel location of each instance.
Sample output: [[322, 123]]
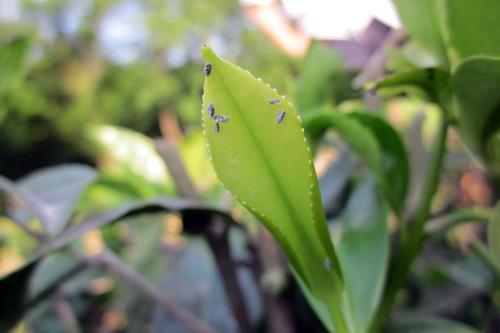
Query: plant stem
[[110, 261], [218, 241], [440, 225], [411, 244]]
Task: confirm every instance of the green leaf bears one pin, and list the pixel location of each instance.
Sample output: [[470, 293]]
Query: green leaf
[[358, 136], [376, 143], [201, 213], [421, 19], [432, 82], [364, 253], [268, 168], [408, 57], [419, 323], [395, 162], [131, 156], [494, 234], [13, 55], [194, 265], [195, 217], [472, 28], [316, 305], [335, 183], [320, 73], [476, 83], [53, 192]]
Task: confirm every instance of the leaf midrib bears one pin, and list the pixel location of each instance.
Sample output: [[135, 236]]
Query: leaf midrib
[[274, 175]]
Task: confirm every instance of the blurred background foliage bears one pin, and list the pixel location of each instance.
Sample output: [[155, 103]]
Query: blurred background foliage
[[74, 64], [95, 82]]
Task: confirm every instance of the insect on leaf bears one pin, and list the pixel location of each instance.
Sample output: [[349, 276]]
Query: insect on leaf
[[267, 166]]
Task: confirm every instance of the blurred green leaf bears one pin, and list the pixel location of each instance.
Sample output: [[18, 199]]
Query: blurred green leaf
[[470, 272], [16, 282], [110, 191], [194, 154], [199, 289], [357, 136], [318, 307], [268, 168], [320, 69], [13, 56], [364, 252], [334, 184], [53, 192], [494, 234], [409, 56], [376, 143], [476, 83], [417, 323], [433, 82], [202, 212], [131, 156], [421, 19], [471, 28], [394, 159]]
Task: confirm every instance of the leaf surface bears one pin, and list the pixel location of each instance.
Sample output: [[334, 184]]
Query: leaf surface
[[476, 83], [420, 323], [317, 82], [395, 162], [432, 83], [364, 252], [267, 167], [421, 19], [472, 28], [359, 138], [13, 56], [15, 304], [54, 193]]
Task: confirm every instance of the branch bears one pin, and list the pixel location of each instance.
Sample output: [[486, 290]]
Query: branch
[[278, 312], [440, 225], [411, 244], [185, 187], [110, 261], [216, 234]]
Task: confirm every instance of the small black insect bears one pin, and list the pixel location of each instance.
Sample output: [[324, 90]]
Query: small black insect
[[281, 115], [327, 264], [207, 69], [211, 109], [220, 118], [216, 127], [274, 101]]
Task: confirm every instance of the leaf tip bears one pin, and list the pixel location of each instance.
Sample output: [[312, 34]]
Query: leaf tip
[[207, 53]]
